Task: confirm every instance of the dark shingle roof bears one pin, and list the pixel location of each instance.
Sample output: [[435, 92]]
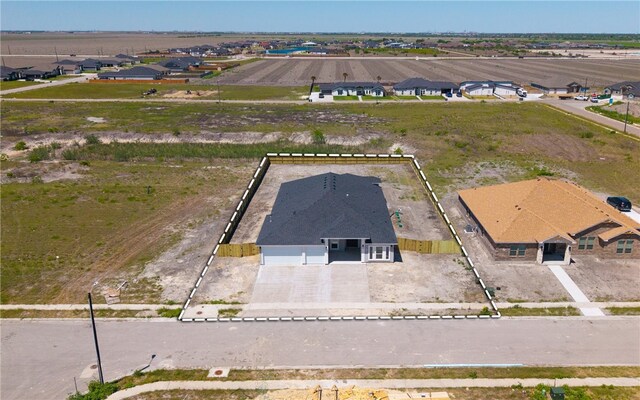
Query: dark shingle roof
[[90, 63], [421, 83], [350, 85], [328, 206]]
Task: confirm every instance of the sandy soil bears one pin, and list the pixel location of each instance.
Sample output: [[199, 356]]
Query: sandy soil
[[523, 281], [182, 94], [294, 72], [400, 186], [606, 280], [48, 171]]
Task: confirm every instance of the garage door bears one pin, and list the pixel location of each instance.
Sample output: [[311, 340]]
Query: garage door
[[315, 255], [282, 255]]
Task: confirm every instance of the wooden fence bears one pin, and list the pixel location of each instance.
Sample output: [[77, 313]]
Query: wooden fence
[[238, 250], [429, 246]]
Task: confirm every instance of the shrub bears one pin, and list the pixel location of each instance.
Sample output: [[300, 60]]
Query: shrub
[[70, 154], [21, 145], [39, 153], [55, 145], [97, 391], [398, 150], [92, 139], [586, 135], [542, 172], [176, 132], [485, 311], [317, 137], [169, 312]]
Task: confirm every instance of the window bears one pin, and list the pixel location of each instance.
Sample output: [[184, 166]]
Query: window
[[334, 245], [624, 246], [340, 92], [517, 250], [378, 252], [586, 242]]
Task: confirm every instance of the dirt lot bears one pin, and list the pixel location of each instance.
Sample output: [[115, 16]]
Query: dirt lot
[[599, 280], [290, 72], [400, 186], [606, 280]]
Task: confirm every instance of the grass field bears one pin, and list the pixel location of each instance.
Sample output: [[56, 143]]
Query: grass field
[[135, 91], [6, 85], [517, 391], [59, 237], [607, 112], [517, 311], [446, 136]]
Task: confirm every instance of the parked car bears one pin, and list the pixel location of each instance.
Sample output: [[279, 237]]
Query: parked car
[[594, 100], [620, 203], [458, 94], [449, 94], [581, 98]]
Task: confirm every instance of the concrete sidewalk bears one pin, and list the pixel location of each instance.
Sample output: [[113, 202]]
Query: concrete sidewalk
[[575, 292], [368, 383]]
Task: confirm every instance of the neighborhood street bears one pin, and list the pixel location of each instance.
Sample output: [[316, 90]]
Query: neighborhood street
[[40, 358]]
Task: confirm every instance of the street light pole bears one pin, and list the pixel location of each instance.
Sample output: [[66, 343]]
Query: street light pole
[[626, 116], [95, 339]]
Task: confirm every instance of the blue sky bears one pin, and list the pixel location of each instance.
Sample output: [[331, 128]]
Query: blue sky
[[602, 16]]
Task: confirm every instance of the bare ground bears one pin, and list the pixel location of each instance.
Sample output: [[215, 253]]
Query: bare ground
[[606, 280], [400, 186], [525, 281], [295, 72]]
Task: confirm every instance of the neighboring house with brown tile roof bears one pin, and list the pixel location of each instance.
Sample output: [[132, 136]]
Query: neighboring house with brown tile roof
[[548, 220]]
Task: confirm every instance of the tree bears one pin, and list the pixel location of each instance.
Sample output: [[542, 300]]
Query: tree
[[344, 75], [378, 78], [313, 81]]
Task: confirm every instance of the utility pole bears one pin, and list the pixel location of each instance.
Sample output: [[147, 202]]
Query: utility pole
[[56, 50], [95, 339], [626, 116], [218, 83]]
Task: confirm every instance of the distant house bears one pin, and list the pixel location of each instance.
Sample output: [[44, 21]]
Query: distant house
[[180, 64], [328, 218], [43, 71], [113, 62], [353, 89], [69, 67], [548, 220], [139, 72], [559, 87], [9, 74], [423, 87], [631, 88], [489, 88], [90, 65]]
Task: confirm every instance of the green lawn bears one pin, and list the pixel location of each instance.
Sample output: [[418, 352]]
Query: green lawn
[[431, 97], [517, 311], [406, 98], [377, 98], [6, 85], [342, 98], [59, 237], [613, 114], [135, 90]]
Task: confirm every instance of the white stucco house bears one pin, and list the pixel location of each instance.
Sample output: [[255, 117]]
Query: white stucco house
[[352, 89], [326, 219], [489, 88], [423, 87]]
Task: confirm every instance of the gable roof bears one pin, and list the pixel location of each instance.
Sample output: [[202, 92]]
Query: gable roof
[[535, 210], [421, 83], [350, 85], [132, 72], [328, 206]]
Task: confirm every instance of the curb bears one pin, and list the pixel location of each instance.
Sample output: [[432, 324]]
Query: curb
[[244, 203]]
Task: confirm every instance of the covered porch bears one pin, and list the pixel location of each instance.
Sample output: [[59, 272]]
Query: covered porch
[[554, 251]]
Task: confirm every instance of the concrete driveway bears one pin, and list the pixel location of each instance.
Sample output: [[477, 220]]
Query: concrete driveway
[[317, 284]]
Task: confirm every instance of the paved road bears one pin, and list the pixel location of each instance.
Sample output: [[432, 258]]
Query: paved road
[[40, 358], [578, 108], [82, 78]]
